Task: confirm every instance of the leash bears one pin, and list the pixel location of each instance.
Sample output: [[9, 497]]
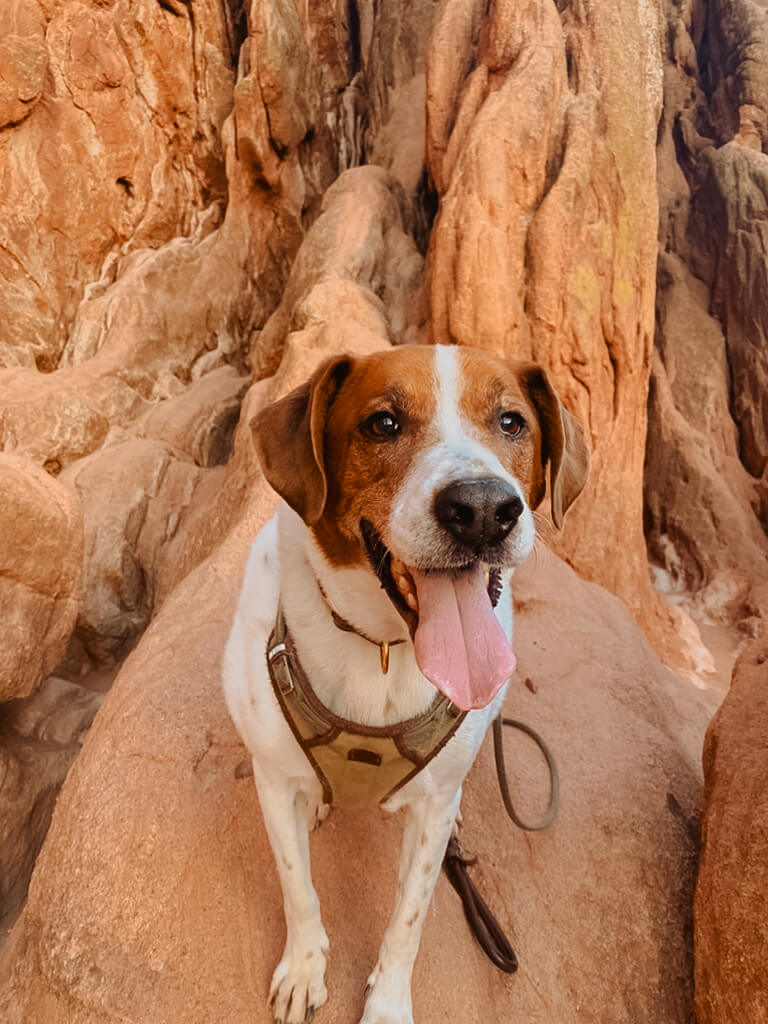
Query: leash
[[481, 920], [554, 776], [482, 923]]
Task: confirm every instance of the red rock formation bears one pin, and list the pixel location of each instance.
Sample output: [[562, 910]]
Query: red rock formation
[[144, 264], [196, 229], [732, 890], [41, 551], [182, 206], [705, 479], [40, 736], [544, 244]]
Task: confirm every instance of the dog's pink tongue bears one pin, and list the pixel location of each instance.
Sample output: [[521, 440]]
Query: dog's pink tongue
[[460, 645]]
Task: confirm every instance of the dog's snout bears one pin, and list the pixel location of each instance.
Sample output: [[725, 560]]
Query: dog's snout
[[478, 513]]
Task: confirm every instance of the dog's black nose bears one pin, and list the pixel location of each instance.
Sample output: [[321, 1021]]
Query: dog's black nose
[[478, 513]]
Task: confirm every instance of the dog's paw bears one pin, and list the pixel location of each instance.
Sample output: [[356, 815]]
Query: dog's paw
[[388, 999], [298, 984]]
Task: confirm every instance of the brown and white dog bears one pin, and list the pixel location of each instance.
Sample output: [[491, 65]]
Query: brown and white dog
[[405, 475]]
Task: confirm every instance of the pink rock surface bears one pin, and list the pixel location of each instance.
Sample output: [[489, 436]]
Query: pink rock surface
[[544, 245], [732, 889]]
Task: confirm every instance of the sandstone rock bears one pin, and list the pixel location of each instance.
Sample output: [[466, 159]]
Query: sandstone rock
[[731, 909], [399, 147], [706, 446], [731, 205], [23, 60], [57, 418], [699, 522], [358, 238], [135, 275], [156, 831], [39, 738], [127, 124], [737, 59], [544, 243], [200, 421], [41, 547], [393, 42], [149, 280], [133, 496]]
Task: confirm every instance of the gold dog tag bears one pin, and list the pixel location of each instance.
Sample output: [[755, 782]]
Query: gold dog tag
[[384, 656]]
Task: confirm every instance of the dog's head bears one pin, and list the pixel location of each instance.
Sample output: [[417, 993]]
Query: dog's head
[[423, 464]]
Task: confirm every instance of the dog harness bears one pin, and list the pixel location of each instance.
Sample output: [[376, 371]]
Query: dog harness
[[357, 765]]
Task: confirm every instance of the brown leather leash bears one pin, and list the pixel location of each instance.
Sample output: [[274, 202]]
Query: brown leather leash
[[482, 923], [481, 920]]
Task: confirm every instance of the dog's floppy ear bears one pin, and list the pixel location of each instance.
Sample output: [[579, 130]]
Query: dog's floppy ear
[[563, 443], [288, 437]]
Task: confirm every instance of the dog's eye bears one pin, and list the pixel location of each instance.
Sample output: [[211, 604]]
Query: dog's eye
[[382, 426], [512, 423]]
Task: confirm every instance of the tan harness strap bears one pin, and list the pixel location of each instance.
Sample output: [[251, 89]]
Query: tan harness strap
[[356, 765]]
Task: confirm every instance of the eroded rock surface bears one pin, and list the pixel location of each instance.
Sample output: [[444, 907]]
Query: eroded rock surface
[[705, 478], [544, 244], [41, 552], [200, 200], [40, 736], [732, 888]]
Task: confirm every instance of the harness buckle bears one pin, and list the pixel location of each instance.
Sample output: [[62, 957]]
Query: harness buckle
[[284, 677]]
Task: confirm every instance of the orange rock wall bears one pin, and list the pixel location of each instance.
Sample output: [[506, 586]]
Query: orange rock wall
[[544, 243], [199, 200], [706, 482]]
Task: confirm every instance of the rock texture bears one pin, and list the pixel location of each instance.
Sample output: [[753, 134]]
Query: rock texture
[[40, 736], [705, 480], [41, 550], [199, 200], [732, 888], [544, 243], [152, 232], [542, 246]]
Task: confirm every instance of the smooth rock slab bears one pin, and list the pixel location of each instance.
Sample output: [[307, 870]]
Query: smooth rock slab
[[732, 889]]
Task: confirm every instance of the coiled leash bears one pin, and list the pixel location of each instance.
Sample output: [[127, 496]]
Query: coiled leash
[[482, 922]]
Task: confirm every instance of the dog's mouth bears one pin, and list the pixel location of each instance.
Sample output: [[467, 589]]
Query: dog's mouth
[[458, 641]]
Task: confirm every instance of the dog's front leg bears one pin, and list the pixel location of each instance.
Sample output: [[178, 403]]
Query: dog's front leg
[[298, 984], [427, 831]]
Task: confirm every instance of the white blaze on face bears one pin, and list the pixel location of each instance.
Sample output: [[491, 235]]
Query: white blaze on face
[[454, 452], [459, 643]]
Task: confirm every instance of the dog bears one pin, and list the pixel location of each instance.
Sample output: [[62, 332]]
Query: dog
[[409, 479]]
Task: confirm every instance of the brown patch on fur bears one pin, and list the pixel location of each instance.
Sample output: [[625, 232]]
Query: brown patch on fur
[[563, 446], [492, 386], [317, 455], [364, 474]]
